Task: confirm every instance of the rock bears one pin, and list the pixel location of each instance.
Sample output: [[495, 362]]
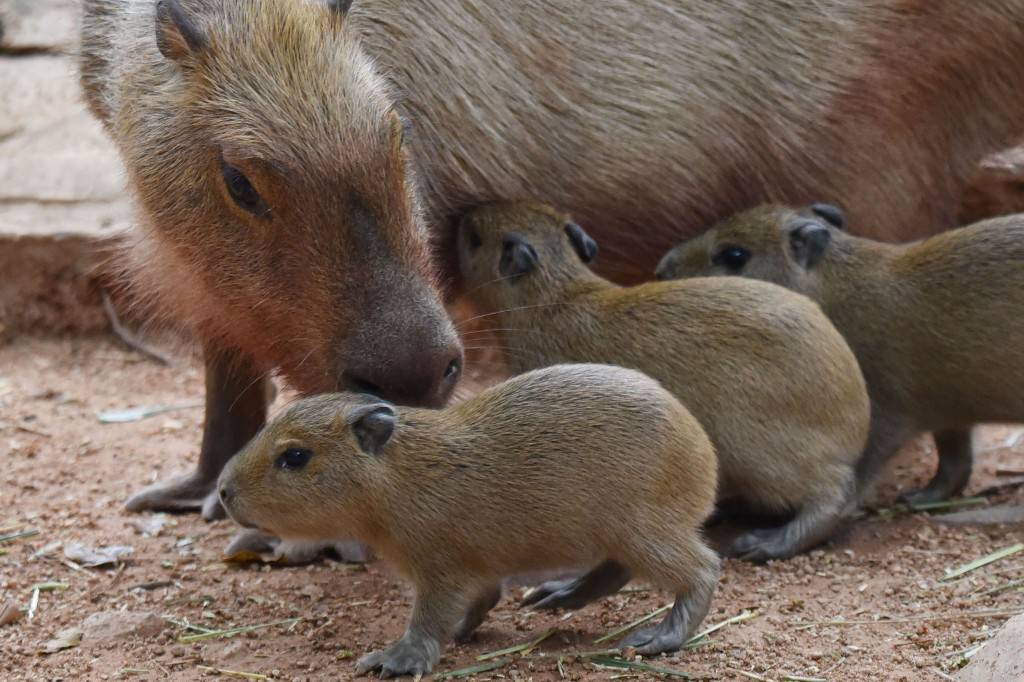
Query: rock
[[61, 193], [313, 591], [110, 626], [233, 651], [1001, 659], [38, 25]]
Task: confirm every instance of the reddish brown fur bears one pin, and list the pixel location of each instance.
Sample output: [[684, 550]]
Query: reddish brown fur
[[340, 272]]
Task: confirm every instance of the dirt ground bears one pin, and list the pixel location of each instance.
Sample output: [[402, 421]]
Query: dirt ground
[[66, 475]]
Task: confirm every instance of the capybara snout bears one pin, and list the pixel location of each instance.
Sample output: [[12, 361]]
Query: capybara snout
[[281, 216], [407, 352]]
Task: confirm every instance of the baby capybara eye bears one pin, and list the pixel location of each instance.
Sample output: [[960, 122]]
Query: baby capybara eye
[[731, 257]]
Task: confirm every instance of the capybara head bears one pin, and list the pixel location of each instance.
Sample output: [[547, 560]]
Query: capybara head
[[512, 254], [273, 160], [299, 477], [770, 242]]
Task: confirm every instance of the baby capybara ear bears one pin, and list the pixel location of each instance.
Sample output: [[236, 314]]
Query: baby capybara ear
[[808, 241], [832, 215], [339, 6], [584, 244], [373, 426]]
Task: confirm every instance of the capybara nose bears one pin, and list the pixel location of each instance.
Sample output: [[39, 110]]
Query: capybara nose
[[422, 377]]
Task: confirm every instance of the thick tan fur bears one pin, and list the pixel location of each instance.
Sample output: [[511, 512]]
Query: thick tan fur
[[563, 467], [765, 372], [936, 324]]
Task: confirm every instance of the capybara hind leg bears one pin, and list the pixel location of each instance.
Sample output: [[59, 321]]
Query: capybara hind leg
[[606, 578], [693, 574], [236, 408], [434, 614], [815, 523], [887, 435], [477, 611], [956, 459]]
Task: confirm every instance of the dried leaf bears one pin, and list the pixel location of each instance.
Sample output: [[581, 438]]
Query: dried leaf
[[150, 526], [67, 638], [92, 557], [243, 557]]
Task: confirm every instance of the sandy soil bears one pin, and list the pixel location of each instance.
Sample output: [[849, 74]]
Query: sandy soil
[[66, 475]]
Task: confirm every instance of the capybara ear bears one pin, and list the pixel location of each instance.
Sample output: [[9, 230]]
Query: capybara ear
[[340, 6], [585, 246], [518, 257], [177, 36], [832, 214], [373, 426], [808, 241]]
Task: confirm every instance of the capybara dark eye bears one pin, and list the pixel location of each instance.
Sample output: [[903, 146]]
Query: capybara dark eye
[[242, 191], [731, 257], [474, 239], [453, 368], [293, 459]]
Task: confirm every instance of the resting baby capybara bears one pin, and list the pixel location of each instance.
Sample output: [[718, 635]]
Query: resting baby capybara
[[936, 324], [773, 383]]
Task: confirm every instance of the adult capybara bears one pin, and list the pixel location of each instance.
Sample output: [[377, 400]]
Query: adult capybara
[[277, 183]]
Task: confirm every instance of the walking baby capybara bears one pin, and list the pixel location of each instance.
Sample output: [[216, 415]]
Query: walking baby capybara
[[576, 465]]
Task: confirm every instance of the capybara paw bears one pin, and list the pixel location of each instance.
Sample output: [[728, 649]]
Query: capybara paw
[[654, 640], [926, 495], [181, 493], [555, 594], [213, 510], [253, 542], [464, 630], [402, 658], [370, 662], [761, 545]]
